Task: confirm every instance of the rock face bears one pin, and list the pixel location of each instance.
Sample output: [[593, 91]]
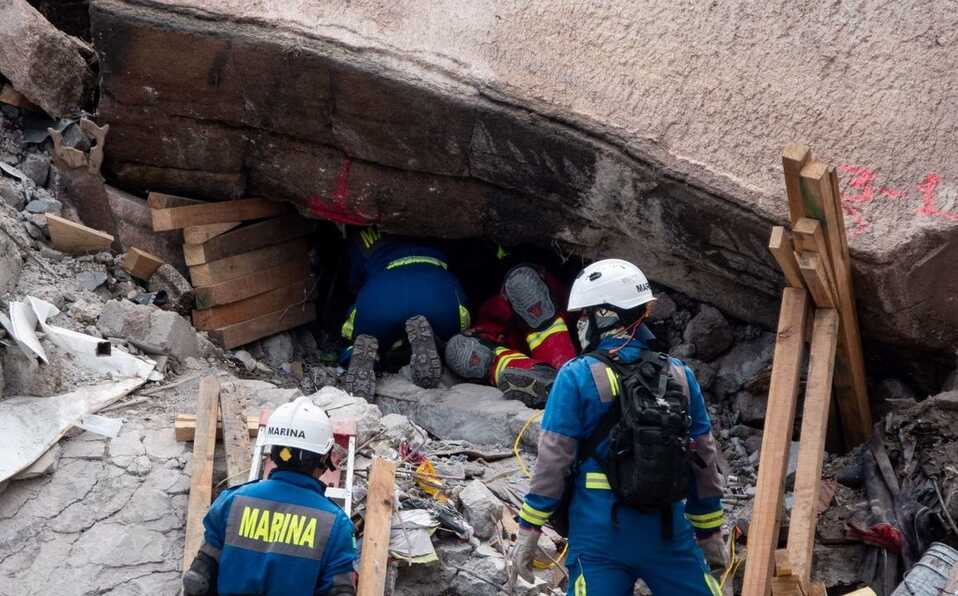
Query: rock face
[[42, 63], [534, 122]]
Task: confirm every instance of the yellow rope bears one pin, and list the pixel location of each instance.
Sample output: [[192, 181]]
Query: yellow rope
[[515, 445], [733, 564]]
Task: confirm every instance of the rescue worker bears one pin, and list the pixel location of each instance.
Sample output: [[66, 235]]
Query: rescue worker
[[520, 338], [280, 536], [612, 544], [404, 290]]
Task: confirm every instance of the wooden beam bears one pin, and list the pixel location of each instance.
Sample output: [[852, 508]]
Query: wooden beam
[[243, 287], [813, 271], [377, 528], [158, 200], [175, 218], [783, 566], [184, 427], [201, 479], [811, 450], [247, 264], [141, 264], [780, 245], [255, 306], [812, 173], [810, 238], [776, 440], [249, 238], [235, 439], [243, 333], [794, 158], [788, 585], [870, 592], [201, 234], [76, 239]]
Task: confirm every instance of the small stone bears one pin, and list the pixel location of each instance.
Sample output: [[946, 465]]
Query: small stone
[[709, 332], [744, 366], [34, 231], [45, 205], [194, 363], [246, 359], [84, 310], [663, 308], [39, 220], [751, 409], [91, 280], [73, 136], [263, 368], [37, 167], [11, 193], [179, 292], [277, 349], [704, 373], [50, 254], [481, 508], [104, 258]]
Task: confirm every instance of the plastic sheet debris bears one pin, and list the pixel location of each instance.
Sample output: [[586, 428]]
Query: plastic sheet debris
[[31, 425], [428, 482], [101, 425], [410, 537]]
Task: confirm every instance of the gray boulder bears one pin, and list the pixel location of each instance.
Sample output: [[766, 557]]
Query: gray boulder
[[165, 331], [744, 365], [11, 193], [709, 332], [481, 508], [750, 408], [37, 167]]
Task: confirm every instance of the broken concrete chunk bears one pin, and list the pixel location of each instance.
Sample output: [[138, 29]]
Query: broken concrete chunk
[[179, 292], [11, 193], [751, 408], [743, 365], [91, 280], [11, 263], [246, 359], [278, 349], [709, 332], [166, 331], [37, 167], [481, 507], [47, 464], [42, 62]]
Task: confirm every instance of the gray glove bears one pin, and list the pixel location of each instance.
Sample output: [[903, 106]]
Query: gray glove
[[713, 547], [523, 554]]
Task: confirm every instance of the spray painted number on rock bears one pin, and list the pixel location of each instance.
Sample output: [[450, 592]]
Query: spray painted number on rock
[[863, 181]]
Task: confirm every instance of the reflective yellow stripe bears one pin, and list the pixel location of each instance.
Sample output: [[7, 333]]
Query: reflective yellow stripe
[[348, 325], [580, 589], [533, 515], [707, 521], [464, 319], [502, 364], [369, 237], [501, 252], [714, 587], [535, 339], [613, 381], [597, 480], [416, 261]]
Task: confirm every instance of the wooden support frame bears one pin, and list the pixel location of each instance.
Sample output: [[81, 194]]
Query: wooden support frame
[[779, 419], [815, 275], [201, 480], [780, 245], [808, 476], [377, 528], [235, 439]]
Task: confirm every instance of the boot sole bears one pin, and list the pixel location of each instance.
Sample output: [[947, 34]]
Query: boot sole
[[530, 392], [360, 378], [425, 363]]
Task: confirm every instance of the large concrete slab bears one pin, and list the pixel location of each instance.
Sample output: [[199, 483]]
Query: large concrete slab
[[649, 130]]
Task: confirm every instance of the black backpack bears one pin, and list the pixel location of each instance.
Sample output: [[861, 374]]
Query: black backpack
[[647, 463]]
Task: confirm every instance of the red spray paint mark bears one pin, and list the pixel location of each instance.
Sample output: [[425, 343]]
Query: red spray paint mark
[[927, 189], [337, 208]]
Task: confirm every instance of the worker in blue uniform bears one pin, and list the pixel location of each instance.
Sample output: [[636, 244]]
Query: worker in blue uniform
[[281, 536], [612, 544], [404, 290]]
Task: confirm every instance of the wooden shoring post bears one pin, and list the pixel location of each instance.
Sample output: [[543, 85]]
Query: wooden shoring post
[[793, 160], [377, 528], [776, 440], [780, 245], [810, 237], [808, 476], [235, 439], [813, 271], [851, 390], [201, 480]]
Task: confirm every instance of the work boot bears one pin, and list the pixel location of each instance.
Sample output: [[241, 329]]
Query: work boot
[[531, 386], [424, 362], [469, 357], [529, 296], [360, 379]]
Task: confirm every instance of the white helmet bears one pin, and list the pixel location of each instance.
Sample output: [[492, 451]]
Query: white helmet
[[612, 282], [300, 424]]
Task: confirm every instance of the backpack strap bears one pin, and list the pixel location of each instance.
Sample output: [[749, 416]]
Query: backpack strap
[[604, 377]]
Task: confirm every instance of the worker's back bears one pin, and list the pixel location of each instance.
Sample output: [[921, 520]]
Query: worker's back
[[280, 536]]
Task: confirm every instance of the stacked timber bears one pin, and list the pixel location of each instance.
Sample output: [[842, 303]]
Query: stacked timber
[[249, 265]]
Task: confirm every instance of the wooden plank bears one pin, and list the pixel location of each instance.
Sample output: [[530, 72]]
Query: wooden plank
[[783, 566], [794, 158], [235, 439], [776, 440], [201, 479], [184, 427], [780, 245], [809, 237], [869, 592], [816, 278], [75, 239], [243, 287], [255, 306], [141, 264], [243, 333], [377, 527], [246, 264], [201, 234], [787, 586], [249, 238], [158, 200], [811, 450], [175, 218], [812, 173]]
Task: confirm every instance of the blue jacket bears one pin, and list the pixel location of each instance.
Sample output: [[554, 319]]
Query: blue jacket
[[279, 536], [573, 411], [371, 253]]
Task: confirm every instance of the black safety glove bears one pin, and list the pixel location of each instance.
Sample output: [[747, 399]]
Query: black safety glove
[[200, 580]]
